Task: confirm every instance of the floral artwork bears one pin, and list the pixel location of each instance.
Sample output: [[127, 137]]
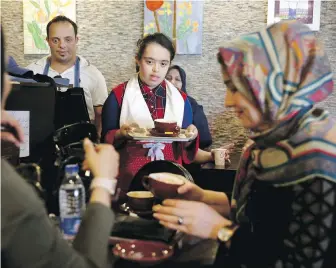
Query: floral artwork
[[306, 11], [36, 15], [181, 20]]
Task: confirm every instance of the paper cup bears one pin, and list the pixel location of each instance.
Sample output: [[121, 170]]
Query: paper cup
[[219, 155]]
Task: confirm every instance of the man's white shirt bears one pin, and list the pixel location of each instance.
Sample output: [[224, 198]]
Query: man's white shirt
[[91, 80]]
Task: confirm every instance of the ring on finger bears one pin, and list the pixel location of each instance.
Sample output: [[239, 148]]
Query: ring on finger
[[180, 221]]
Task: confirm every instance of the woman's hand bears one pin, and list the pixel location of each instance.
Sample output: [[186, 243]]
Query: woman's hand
[[190, 217], [190, 191], [16, 136], [102, 160], [217, 200]]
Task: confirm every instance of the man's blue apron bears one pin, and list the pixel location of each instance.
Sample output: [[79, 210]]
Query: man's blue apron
[[65, 81]]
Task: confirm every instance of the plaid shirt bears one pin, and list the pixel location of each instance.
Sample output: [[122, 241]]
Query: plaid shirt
[[155, 99]]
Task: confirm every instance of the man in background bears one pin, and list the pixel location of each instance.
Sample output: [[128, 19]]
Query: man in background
[[64, 62]]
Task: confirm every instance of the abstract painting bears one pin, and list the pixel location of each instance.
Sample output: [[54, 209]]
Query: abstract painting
[[36, 15], [180, 20], [306, 11]]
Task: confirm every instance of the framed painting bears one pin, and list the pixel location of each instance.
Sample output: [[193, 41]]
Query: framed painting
[[306, 11], [36, 15], [180, 20]]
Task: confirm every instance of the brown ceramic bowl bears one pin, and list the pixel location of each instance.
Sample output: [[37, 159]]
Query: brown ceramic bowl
[[163, 126], [163, 185], [140, 200]]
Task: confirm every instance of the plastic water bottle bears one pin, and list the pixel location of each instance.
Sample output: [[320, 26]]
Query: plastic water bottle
[[71, 201]]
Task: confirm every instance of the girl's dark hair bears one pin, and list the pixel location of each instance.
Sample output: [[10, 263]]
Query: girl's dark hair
[[158, 38], [3, 68]]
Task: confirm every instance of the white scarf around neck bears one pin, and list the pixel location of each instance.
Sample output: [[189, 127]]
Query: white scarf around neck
[[134, 108]]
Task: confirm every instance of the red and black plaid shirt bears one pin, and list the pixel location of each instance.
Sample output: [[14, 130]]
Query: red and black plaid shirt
[[155, 99]]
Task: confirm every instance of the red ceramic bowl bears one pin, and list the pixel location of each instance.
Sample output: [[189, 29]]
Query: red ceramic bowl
[[163, 126], [163, 185], [145, 252]]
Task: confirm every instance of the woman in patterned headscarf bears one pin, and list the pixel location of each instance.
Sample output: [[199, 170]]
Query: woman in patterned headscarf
[[283, 210]]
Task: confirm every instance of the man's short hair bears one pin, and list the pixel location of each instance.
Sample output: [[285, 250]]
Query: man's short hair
[[62, 19]]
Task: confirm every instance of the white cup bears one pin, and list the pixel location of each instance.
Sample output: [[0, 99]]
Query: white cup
[[219, 155]]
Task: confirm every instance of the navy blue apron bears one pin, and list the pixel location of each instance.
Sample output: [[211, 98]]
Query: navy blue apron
[[61, 81]]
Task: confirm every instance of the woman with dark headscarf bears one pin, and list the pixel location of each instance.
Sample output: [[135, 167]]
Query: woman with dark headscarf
[[177, 76], [283, 208], [28, 237]]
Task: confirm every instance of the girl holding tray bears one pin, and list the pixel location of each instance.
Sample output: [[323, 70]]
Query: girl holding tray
[[142, 99]]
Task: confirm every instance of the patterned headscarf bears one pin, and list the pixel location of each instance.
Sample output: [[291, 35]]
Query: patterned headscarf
[[284, 71]]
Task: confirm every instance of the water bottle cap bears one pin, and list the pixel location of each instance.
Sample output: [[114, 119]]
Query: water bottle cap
[[73, 168]]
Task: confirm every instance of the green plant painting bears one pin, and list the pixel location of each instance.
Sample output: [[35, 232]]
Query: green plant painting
[[180, 20]]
